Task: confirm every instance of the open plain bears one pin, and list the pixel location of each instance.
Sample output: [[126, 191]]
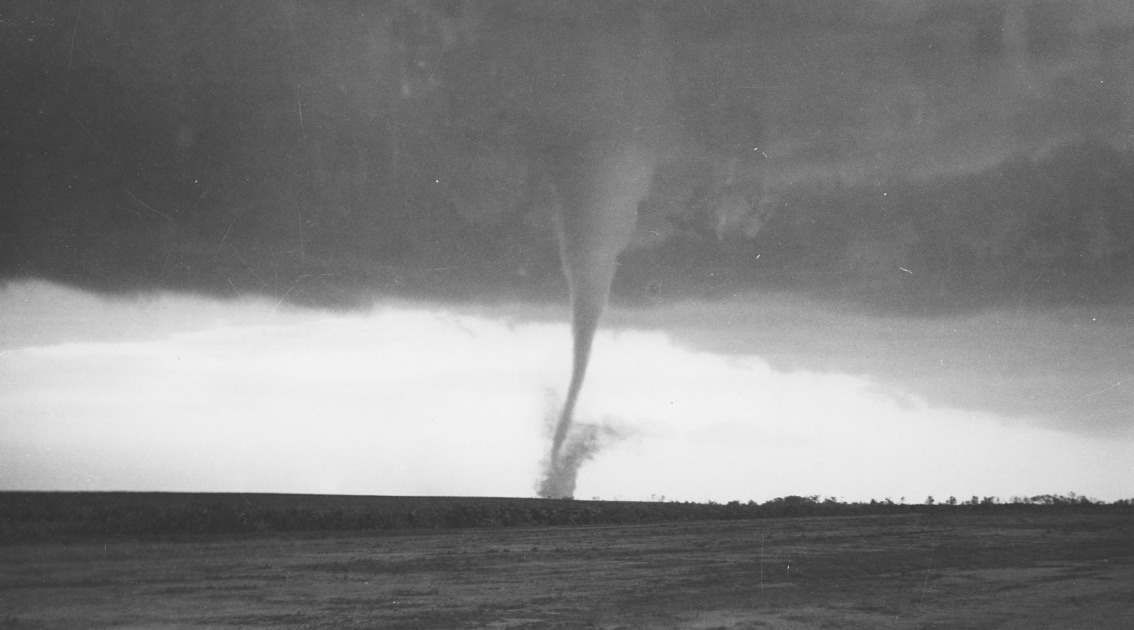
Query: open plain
[[1046, 568]]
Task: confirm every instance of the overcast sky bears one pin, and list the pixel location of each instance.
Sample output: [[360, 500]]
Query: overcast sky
[[305, 247]]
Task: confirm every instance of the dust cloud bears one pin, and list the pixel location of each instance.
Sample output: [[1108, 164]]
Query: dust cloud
[[580, 442]]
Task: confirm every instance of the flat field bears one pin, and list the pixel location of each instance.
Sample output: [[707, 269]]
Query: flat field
[[1000, 569]]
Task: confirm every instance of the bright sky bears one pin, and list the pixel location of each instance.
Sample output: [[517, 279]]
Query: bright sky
[[180, 393]]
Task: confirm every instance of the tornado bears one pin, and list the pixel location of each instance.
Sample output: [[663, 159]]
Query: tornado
[[599, 185], [595, 118]]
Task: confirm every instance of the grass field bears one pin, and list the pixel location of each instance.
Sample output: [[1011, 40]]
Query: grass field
[[1053, 568]]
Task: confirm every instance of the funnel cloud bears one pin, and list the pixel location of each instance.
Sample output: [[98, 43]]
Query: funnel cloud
[[600, 168], [598, 205]]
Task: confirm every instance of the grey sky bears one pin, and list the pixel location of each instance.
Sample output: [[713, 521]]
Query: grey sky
[[923, 207]]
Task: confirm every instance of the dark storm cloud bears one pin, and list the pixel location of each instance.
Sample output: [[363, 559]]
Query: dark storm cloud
[[1066, 368], [910, 153]]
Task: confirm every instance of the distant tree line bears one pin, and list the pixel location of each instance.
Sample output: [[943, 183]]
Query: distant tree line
[[31, 517]]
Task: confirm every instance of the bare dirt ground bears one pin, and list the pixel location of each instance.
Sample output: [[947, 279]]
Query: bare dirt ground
[[963, 570]]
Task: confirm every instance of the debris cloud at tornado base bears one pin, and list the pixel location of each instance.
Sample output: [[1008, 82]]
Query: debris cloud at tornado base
[[580, 443]]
